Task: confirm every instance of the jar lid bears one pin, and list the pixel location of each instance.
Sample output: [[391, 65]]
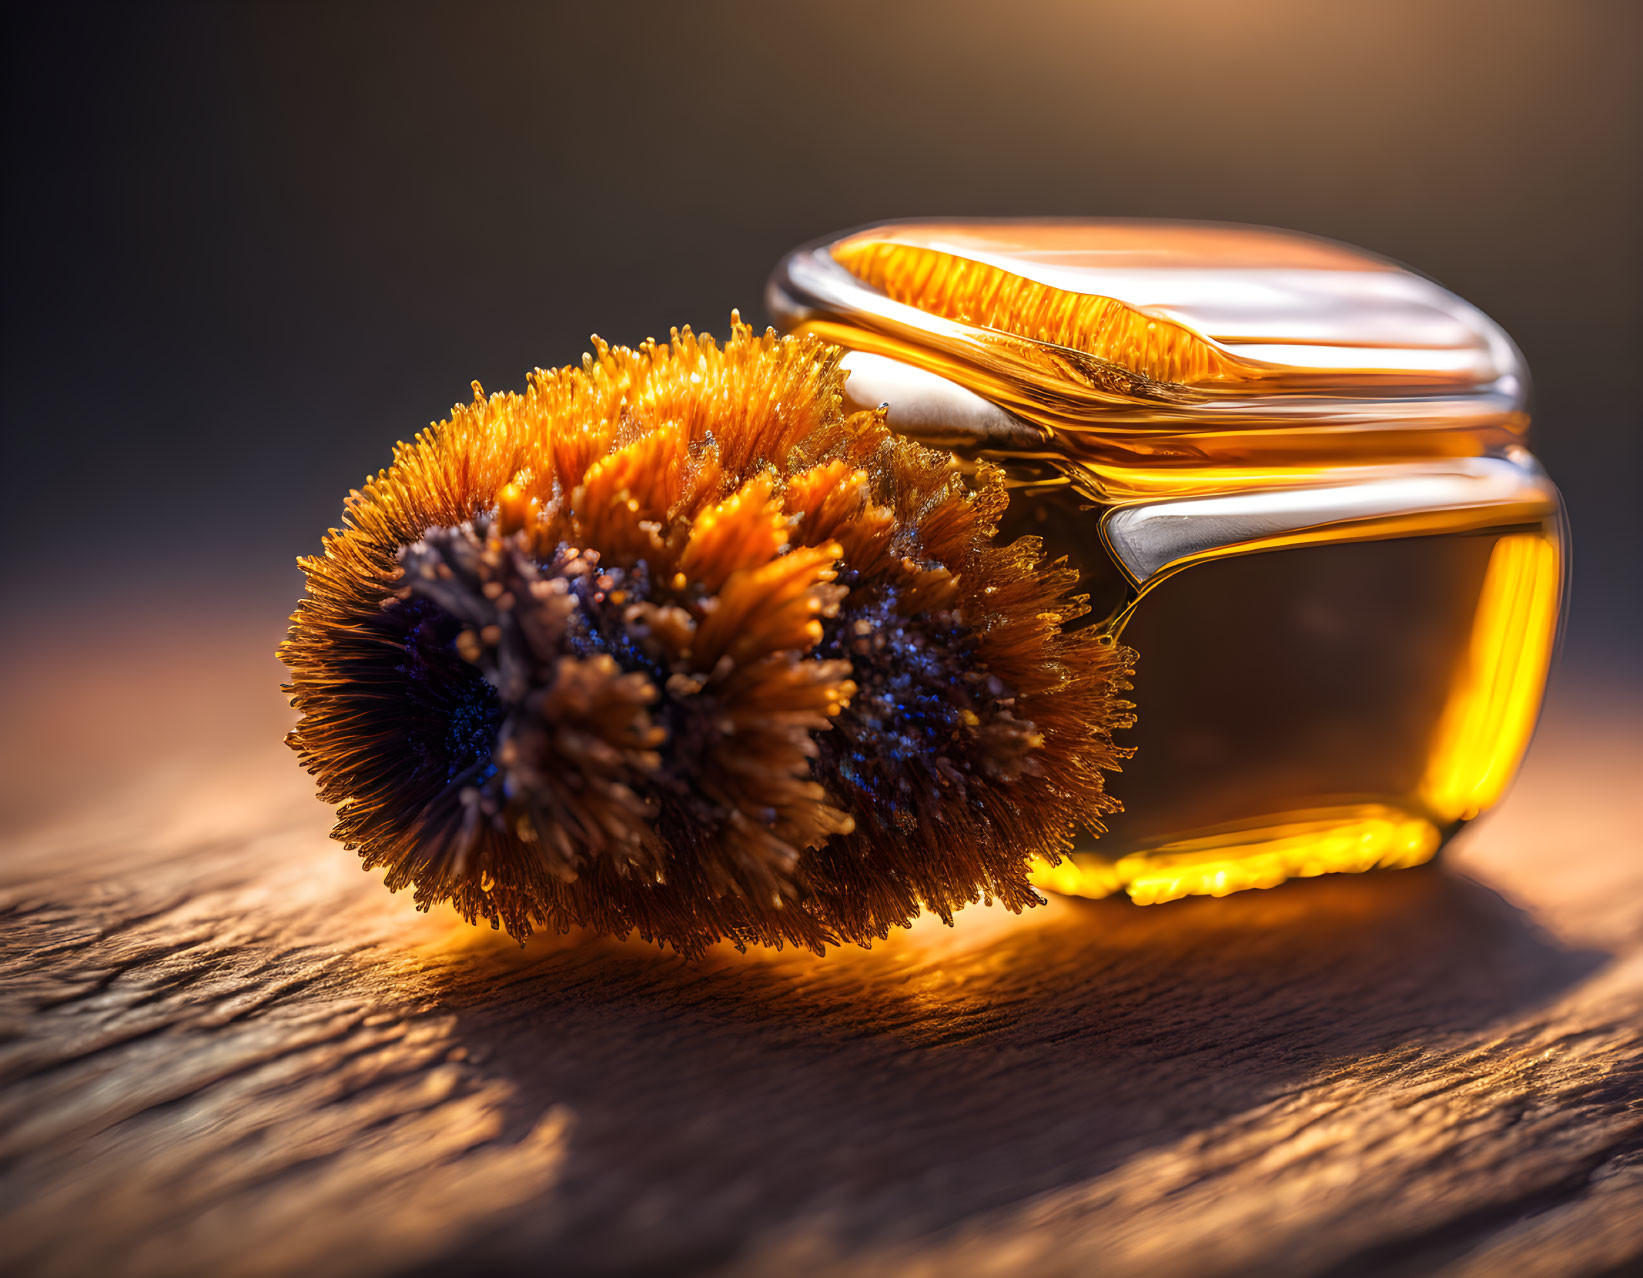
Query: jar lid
[[1162, 355]]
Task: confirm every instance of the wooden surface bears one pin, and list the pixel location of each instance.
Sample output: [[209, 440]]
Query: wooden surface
[[228, 1051]]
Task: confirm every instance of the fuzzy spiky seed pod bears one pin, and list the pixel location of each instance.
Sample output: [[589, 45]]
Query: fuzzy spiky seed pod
[[670, 643]]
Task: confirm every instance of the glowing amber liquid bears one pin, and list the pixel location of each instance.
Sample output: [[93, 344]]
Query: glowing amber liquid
[[1326, 707]]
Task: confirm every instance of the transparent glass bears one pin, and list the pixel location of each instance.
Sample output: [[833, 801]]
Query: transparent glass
[[1292, 477]]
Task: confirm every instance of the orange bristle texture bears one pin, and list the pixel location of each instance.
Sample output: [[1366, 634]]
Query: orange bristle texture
[[669, 643]]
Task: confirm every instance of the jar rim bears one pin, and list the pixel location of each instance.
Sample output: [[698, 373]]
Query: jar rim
[[1165, 343]]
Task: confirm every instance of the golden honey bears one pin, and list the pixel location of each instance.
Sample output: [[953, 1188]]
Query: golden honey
[[1293, 477]]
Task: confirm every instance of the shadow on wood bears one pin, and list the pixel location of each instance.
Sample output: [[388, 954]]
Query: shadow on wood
[[950, 1074]]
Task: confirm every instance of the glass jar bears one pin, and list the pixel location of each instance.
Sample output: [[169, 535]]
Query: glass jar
[[1293, 478]]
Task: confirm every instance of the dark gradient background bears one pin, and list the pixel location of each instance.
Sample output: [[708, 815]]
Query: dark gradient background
[[247, 248]]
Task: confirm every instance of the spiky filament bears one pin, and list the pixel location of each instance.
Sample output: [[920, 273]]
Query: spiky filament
[[669, 643]]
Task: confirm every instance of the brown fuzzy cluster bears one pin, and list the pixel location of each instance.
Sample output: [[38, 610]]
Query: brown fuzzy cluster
[[670, 643]]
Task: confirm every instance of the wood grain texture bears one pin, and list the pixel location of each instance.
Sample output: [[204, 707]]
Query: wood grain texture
[[227, 1051]]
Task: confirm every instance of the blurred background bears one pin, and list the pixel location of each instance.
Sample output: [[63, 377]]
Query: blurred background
[[248, 247]]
